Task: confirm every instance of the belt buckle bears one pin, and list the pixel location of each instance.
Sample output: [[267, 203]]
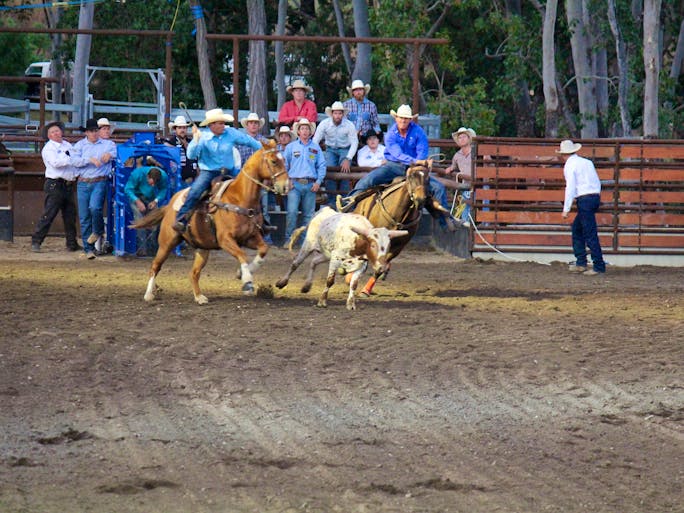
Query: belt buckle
[[303, 181]]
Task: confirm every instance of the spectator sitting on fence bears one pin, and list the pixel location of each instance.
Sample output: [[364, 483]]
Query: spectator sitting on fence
[[306, 168], [361, 111], [341, 143], [461, 166], [179, 138], [407, 144], [372, 153], [146, 190], [213, 150], [299, 107]]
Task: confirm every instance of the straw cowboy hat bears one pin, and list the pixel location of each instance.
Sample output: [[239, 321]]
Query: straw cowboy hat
[[404, 111], [463, 130], [335, 106], [103, 122], [358, 84], [179, 121], [303, 121], [214, 115], [285, 130], [299, 84], [252, 116], [567, 147]]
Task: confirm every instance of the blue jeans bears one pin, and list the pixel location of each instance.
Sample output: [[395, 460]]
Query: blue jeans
[[201, 184], [380, 175], [91, 198], [584, 233], [300, 193], [334, 157]]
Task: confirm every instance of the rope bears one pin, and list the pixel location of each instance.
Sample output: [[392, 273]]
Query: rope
[[175, 15]]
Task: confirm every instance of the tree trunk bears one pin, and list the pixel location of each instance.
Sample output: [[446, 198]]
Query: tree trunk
[[651, 66], [203, 57], [362, 67], [258, 92], [549, 69], [340, 32], [52, 16], [581, 58], [599, 64], [524, 114], [85, 21], [279, 52], [622, 63], [678, 59]]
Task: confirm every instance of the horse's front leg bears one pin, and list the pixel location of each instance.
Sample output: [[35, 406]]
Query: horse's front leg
[[201, 259], [168, 239], [232, 247]]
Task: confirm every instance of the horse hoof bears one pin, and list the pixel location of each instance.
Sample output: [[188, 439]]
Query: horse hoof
[[281, 283], [201, 299], [248, 289], [306, 288]]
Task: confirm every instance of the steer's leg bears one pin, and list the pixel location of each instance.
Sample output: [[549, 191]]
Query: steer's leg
[[329, 282], [317, 259], [351, 301], [304, 252]]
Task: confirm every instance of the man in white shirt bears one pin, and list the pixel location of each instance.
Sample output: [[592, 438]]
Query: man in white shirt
[[582, 184], [60, 187], [341, 143]]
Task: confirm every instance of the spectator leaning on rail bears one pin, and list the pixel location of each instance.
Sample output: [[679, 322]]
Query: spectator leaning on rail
[[361, 111], [299, 107], [213, 150], [461, 164], [341, 143], [583, 185], [405, 144], [59, 187], [146, 190], [372, 153], [93, 155], [306, 169], [179, 138]]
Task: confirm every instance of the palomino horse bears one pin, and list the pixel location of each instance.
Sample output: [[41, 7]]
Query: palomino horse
[[235, 224], [396, 207]]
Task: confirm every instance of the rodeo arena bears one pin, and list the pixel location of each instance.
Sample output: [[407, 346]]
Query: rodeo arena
[[465, 345]]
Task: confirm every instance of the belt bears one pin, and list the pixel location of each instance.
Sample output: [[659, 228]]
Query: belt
[[63, 180], [93, 180], [338, 147], [304, 180], [587, 195]]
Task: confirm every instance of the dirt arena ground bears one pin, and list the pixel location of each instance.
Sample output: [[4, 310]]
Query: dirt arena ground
[[461, 386]]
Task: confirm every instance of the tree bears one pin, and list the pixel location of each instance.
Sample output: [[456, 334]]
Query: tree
[[622, 64], [362, 65], [549, 69], [651, 66], [280, 54], [203, 57], [82, 59], [258, 93]]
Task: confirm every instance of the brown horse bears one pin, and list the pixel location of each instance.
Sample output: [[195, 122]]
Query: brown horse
[[396, 207], [236, 223]]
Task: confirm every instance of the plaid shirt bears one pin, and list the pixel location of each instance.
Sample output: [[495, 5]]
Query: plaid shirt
[[247, 151], [363, 114]]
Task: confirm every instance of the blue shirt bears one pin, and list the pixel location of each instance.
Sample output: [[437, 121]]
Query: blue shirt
[[406, 150], [84, 150], [305, 160], [137, 187], [214, 152]]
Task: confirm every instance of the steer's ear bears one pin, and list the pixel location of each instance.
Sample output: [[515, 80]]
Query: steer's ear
[[360, 230], [397, 233]]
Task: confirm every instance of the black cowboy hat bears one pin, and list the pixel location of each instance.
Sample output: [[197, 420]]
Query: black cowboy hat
[[49, 125], [90, 125], [370, 133]]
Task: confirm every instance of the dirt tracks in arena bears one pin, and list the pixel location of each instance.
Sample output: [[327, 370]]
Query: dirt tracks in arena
[[461, 386]]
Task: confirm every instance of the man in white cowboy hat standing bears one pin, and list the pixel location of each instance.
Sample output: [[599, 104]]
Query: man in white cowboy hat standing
[[461, 165], [179, 138], [361, 111], [341, 142], [405, 144], [582, 184], [213, 150], [299, 106], [306, 168]]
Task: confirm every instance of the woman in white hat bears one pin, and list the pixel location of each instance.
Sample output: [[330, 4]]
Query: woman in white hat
[[299, 106], [180, 139], [213, 150], [461, 165], [582, 185], [361, 111]]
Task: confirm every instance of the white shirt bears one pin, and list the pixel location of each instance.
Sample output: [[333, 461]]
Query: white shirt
[[57, 162], [368, 158], [580, 179], [338, 136]]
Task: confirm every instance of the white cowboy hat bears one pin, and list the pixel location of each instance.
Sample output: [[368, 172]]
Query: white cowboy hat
[[214, 115], [404, 111], [252, 116], [567, 147], [358, 84], [463, 130], [335, 106], [285, 130], [103, 122], [303, 121], [299, 84], [179, 121]]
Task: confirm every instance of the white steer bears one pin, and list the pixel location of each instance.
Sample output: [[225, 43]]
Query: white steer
[[349, 242]]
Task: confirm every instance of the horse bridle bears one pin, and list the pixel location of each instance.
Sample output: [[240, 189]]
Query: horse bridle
[[273, 174], [399, 224]]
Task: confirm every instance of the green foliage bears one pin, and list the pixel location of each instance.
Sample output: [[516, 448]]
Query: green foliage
[[466, 106], [20, 50]]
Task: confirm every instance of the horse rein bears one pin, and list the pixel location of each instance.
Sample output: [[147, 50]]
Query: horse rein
[[269, 188]]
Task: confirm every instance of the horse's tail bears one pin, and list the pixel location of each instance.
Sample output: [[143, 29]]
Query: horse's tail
[[295, 235], [152, 219]]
